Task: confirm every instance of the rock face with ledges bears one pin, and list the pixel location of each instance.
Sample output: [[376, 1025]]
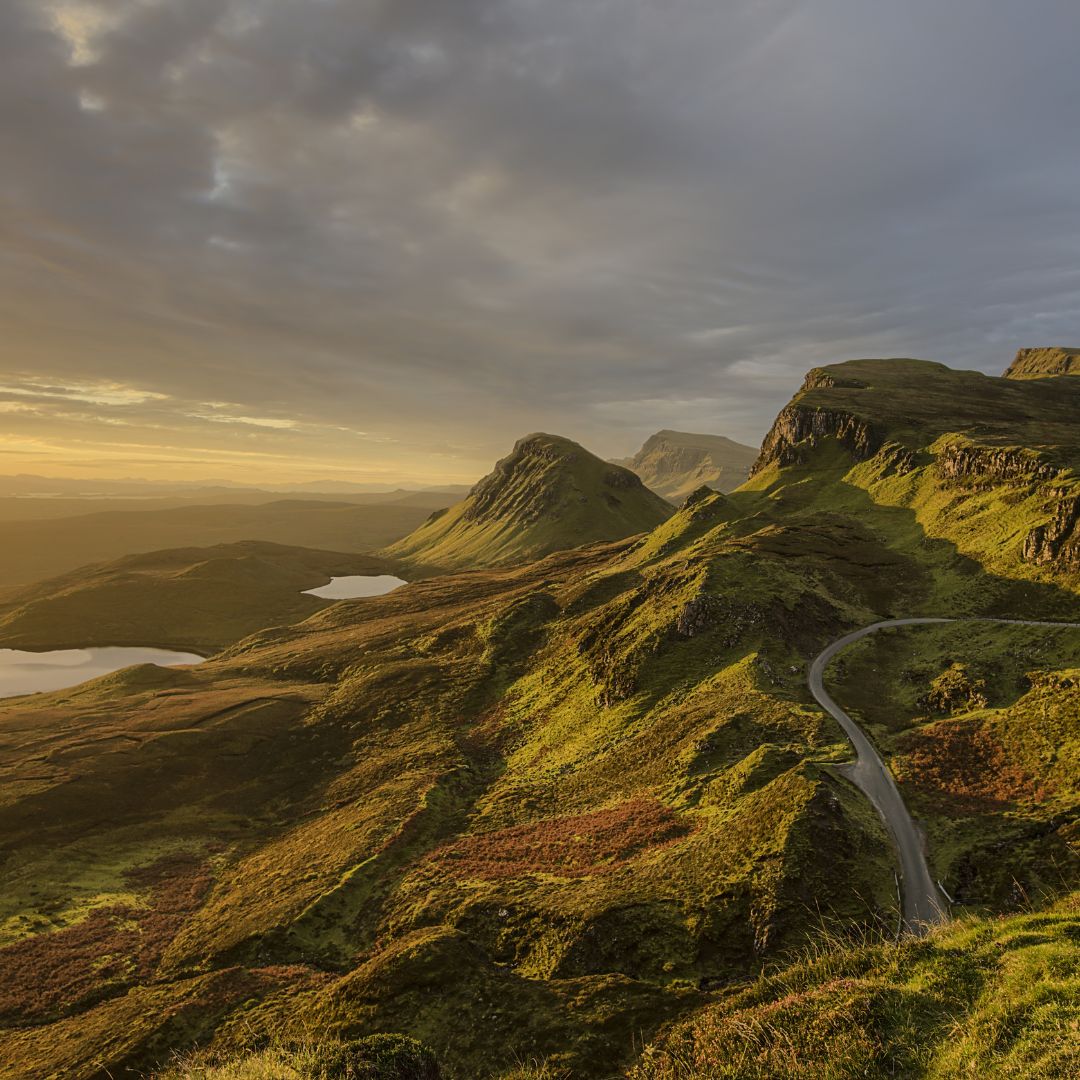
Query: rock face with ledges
[[1044, 363]]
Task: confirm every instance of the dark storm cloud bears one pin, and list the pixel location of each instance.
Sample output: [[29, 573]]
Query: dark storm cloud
[[458, 221]]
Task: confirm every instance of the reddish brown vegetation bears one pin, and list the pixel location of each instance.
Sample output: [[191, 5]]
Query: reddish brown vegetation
[[962, 765], [50, 973], [571, 846]]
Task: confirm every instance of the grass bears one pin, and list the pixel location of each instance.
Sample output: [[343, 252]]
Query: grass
[[378, 1057], [987, 998]]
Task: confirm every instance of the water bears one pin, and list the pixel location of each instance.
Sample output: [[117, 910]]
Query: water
[[27, 672], [349, 588]]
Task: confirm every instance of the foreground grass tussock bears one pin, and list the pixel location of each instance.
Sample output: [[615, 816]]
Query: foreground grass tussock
[[982, 998]]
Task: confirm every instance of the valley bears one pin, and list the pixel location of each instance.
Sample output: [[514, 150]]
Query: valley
[[581, 792]]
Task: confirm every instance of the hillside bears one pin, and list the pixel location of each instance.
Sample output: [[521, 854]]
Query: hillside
[[984, 997], [1044, 363], [675, 463], [200, 599], [37, 549], [551, 811], [548, 494], [988, 465]]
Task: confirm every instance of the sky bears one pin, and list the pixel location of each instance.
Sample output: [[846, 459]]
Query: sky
[[379, 240]]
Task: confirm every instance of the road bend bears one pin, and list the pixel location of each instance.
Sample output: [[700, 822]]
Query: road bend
[[923, 904]]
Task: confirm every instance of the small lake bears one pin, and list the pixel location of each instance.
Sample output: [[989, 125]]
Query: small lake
[[28, 672], [349, 588]]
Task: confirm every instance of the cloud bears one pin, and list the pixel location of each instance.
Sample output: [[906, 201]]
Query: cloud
[[94, 393], [451, 223], [251, 421]]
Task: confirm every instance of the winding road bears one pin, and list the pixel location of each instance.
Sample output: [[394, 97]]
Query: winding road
[[923, 903]]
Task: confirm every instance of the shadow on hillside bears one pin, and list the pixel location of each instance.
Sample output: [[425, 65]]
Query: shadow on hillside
[[938, 579]]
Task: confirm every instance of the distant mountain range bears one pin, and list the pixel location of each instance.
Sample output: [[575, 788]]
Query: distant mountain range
[[547, 495], [675, 463], [32, 485]]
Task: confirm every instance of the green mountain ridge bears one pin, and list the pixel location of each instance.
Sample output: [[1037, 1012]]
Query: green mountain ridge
[[555, 811], [676, 463], [547, 495]]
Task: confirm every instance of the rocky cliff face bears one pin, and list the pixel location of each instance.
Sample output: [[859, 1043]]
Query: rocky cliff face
[[798, 428], [1058, 541], [989, 465], [984, 468], [994, 447], [1044, 363]]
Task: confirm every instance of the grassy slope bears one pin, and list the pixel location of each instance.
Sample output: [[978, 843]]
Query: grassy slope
[[986, 998], [191, 598], [368, 791], [549, 494], [39, 549], [520, 813]]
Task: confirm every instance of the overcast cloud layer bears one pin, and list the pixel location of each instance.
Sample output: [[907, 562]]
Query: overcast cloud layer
[[383, 238]]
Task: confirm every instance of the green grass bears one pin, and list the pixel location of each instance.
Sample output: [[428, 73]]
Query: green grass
[[980, 998]]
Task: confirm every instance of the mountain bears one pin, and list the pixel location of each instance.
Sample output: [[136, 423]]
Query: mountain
[[547, 495], [990, 465], [555, 811], [675, 463], [1044, 363], [199, 599]]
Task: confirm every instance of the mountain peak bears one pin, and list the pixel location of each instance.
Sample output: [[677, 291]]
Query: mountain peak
[[549, 493], [676, 463]]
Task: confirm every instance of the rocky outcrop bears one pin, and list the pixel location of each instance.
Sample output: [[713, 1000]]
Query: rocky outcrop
[[1044, 363], [824, 379], [897, 459], [1057, 541], [799, 427], [990, 465]]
